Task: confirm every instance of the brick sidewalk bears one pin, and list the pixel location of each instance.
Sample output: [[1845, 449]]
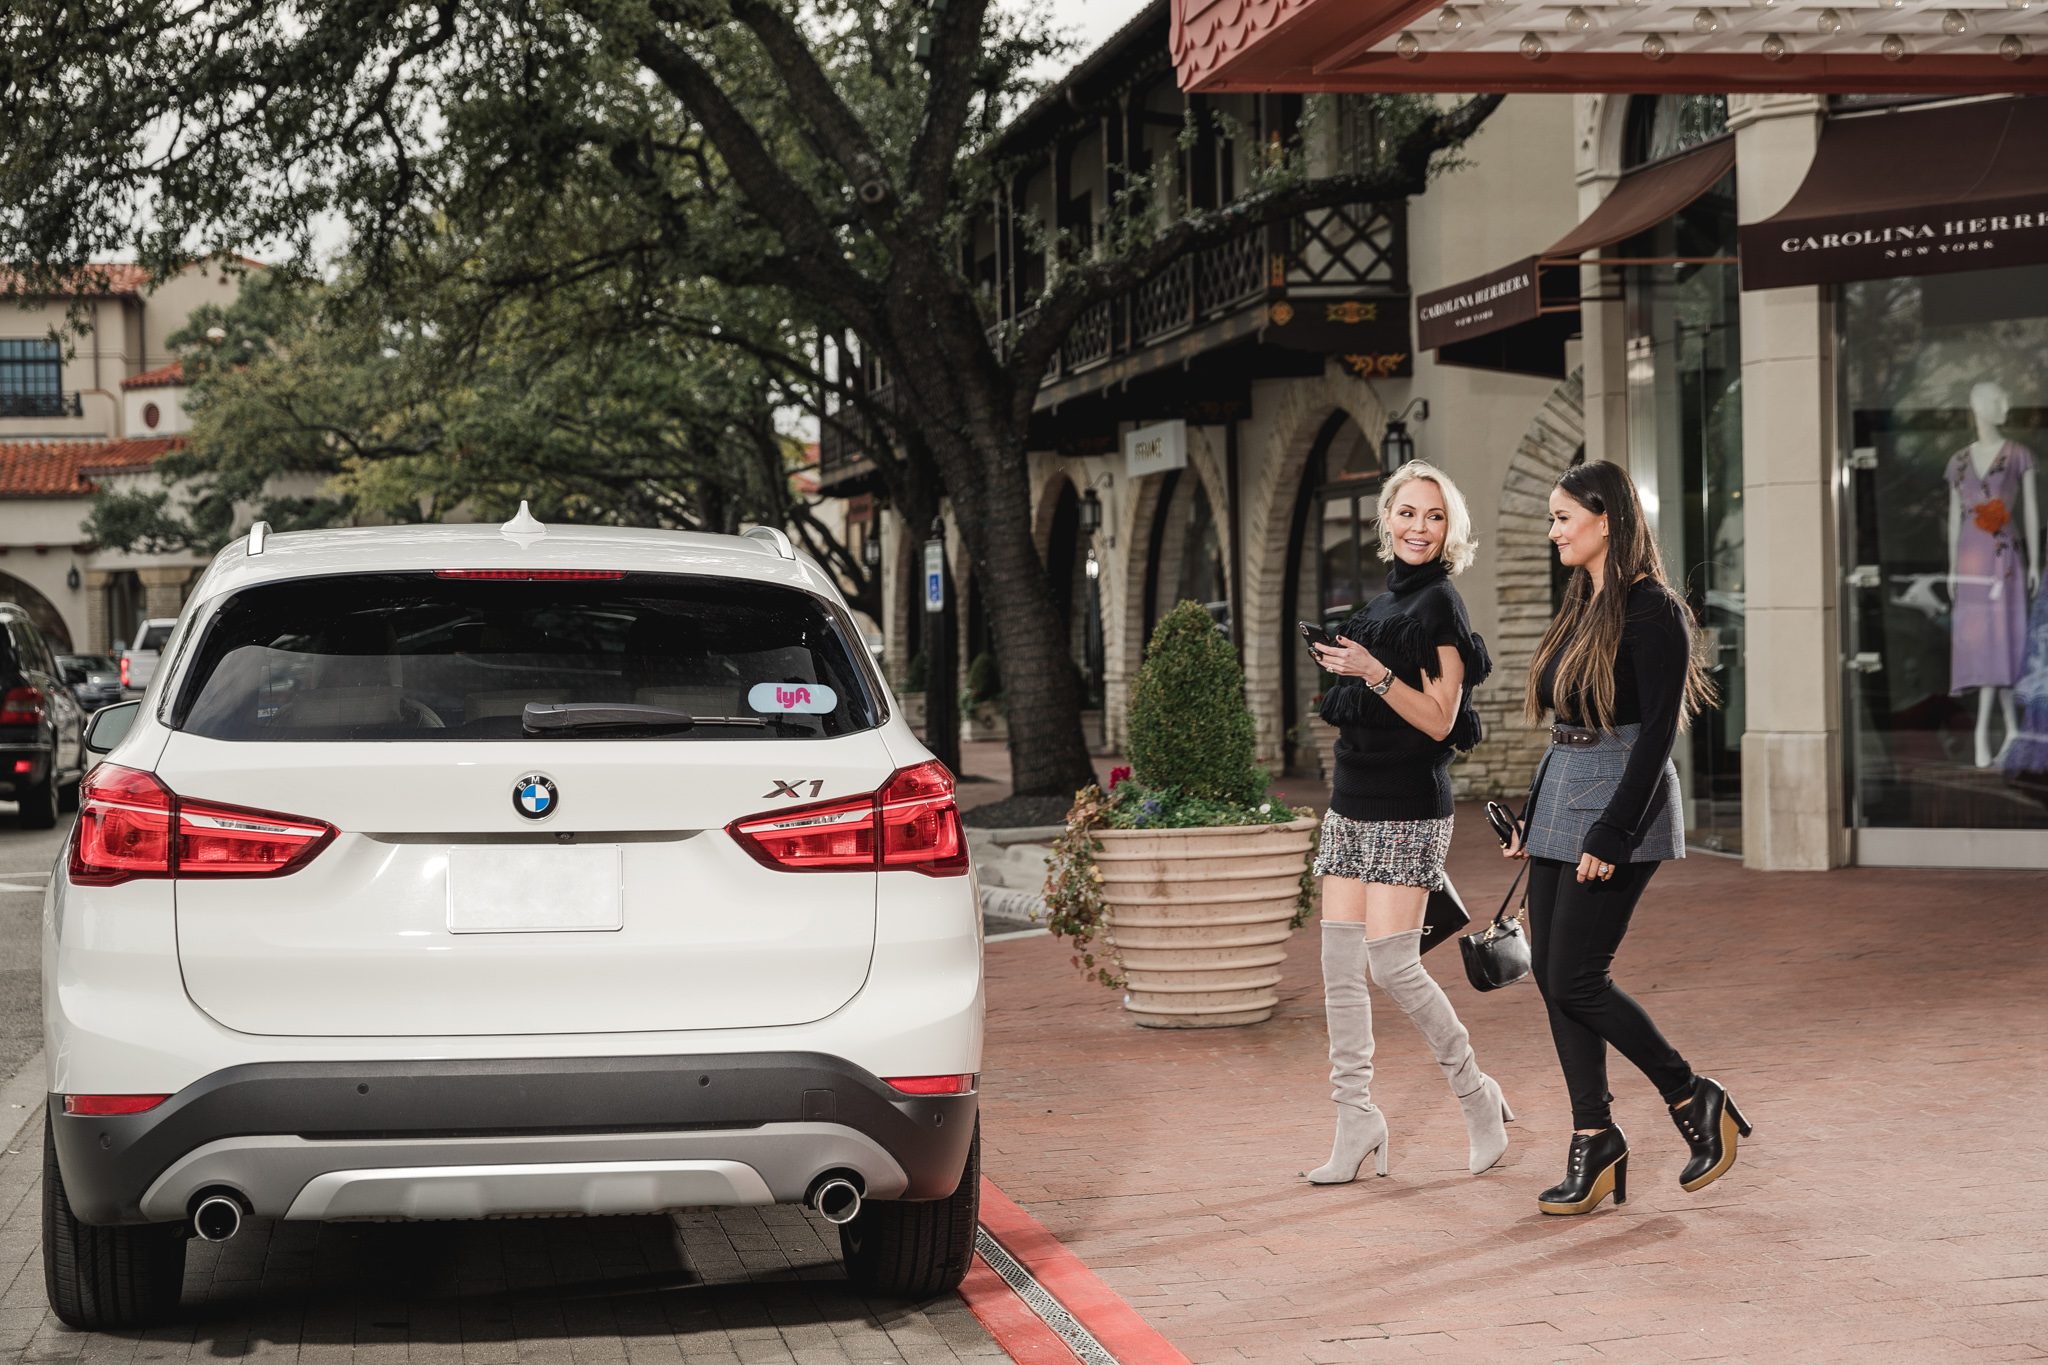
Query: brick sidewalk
[[1878, 1027]]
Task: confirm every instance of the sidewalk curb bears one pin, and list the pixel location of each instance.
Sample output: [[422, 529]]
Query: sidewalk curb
[[1097, 1307], [1021, 1333]]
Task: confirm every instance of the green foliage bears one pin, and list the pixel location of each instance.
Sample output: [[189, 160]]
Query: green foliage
[[1136, 806], [984, 683], [1189, 726], [914, 672]]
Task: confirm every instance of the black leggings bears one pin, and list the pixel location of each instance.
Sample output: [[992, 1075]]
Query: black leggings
[[1574, 930]]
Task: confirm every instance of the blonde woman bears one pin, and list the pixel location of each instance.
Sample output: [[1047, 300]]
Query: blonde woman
[[1406, 667]]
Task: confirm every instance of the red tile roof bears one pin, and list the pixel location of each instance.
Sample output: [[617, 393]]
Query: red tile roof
[[58, 469], [101, 279], [161, 378], [1207, 32]]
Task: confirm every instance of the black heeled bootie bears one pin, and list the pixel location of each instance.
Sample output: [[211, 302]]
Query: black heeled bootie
[[1598, 1167], [1710, 1123]]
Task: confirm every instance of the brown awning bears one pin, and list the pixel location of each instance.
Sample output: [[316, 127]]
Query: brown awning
[[1912, 192], [1520, 296]]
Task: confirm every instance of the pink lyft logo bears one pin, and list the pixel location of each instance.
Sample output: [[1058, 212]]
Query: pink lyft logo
[[794, 698]]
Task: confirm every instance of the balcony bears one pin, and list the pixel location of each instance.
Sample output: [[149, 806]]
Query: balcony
[[42, 405], [1203, 301]]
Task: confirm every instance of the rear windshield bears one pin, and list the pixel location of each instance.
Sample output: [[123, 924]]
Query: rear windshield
[[417, 656], [154, 637]]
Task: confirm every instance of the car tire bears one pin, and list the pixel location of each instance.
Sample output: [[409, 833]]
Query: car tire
[[106, 1279], [39, 804], [914, 1249]]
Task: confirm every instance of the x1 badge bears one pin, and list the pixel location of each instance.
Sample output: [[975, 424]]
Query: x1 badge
[[789, 789]]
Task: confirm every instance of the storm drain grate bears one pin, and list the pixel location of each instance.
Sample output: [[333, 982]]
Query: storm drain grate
[[1077, 1337]]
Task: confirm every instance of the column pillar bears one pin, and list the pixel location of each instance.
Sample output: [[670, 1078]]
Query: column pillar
[[1603, 322], [96, 637], [1792, 749], [163, 590]]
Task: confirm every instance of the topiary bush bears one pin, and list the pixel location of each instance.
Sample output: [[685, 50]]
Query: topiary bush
[[1189, 726]]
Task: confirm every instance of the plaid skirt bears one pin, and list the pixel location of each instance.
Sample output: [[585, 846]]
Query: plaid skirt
[[1390, 852]]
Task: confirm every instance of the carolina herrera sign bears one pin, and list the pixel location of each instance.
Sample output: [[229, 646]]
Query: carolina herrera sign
[[1876, 246], [1477, 306]]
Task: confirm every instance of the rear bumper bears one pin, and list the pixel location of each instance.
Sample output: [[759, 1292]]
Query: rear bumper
[[466, 1139]]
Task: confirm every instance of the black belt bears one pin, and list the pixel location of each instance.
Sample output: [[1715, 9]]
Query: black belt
[[1574, 737]]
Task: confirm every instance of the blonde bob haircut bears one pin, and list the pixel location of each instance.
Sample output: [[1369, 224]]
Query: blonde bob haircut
[[1459, 546]]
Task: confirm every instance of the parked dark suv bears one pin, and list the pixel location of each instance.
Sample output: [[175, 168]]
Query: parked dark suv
[[42, 742]]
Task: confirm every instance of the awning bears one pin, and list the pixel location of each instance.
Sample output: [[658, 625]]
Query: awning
[[1912, 192], [1533, 298]]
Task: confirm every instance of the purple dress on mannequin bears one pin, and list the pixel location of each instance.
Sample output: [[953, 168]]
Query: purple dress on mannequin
[[1989, 639]]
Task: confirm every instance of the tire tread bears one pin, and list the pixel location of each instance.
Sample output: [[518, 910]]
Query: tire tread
[[105, 1279], [916, 1249]]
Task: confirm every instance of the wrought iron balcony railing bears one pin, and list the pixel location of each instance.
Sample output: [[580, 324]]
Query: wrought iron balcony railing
[[41, 405]]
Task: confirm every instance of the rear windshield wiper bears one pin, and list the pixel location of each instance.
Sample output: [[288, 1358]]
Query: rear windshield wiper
[[543, 718]]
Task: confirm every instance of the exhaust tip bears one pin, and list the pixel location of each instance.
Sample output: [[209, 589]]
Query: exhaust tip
[[837, 1199], [217, 1218]]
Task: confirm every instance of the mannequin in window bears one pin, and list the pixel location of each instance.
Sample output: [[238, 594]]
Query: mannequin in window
[[1994, 517]]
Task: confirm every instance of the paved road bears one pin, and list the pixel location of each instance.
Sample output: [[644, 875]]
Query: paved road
[[26, 857], [713, 1287]]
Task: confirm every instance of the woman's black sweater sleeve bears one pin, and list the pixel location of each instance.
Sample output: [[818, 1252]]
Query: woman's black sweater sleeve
[[1658, 641]]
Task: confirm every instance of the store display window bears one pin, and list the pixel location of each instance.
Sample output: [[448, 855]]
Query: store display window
[[1945, 390]]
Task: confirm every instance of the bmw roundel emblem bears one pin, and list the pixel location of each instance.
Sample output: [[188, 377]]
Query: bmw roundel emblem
[[534, 796]]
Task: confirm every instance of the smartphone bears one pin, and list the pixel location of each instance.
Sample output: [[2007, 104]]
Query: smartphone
[[1316, 635]]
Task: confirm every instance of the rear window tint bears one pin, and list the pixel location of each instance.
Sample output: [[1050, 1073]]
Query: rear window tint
[[154, 637], [419, 657]]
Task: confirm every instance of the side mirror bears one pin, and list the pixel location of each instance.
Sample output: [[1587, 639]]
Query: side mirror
[[110, 725]]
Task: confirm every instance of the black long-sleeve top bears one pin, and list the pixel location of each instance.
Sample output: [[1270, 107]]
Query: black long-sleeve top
[[1649, 690], [1386, 768]]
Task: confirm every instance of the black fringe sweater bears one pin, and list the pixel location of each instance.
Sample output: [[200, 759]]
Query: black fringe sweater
[[1386, 768]]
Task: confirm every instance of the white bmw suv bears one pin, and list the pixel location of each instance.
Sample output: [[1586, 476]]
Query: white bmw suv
[[467, 872]]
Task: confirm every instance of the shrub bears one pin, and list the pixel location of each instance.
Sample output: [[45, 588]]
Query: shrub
[[913, 674], [1189, 726], [984, 683]]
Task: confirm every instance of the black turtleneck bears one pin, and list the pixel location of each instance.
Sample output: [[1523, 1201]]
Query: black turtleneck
[[1386, 768]]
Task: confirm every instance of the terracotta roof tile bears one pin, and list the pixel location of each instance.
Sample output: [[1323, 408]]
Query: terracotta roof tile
[[161, 378], [100, 279], [58, 469]]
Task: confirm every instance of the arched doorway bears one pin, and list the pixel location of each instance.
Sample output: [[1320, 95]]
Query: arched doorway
[[40, 610], [1333, 566], [126, 606]]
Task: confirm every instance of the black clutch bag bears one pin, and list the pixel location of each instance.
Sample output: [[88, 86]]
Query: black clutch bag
[[1497, 955], [1444, 917]]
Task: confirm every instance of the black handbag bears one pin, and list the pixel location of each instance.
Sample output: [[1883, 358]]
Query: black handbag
[[1444, 918], [1498, 955]]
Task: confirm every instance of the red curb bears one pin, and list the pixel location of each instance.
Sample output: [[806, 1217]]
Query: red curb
[[1096, 1306], [1021, 1333]]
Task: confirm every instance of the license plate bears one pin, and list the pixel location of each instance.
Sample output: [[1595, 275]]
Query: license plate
[[545, 890]]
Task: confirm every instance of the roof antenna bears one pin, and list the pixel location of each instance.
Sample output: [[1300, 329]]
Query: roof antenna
[[525, 524]]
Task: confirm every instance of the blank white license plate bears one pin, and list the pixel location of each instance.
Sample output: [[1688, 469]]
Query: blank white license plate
[[498, 889]]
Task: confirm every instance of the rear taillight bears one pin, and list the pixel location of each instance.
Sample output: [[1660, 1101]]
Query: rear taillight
[[932, 1085], [101, 1105], [130, 825], [124, 670], [22, 706], [910, 825]]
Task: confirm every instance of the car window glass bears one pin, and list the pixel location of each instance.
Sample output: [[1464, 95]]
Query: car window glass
[[23, 643], [420, 656], [154, 637]]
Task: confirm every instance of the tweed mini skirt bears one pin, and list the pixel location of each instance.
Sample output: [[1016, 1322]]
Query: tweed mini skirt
[[1390, 852]]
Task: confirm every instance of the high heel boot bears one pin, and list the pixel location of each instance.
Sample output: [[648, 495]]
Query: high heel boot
[[1361, 1128], [1710, 1124], [1597, 1166], [1396, 963]]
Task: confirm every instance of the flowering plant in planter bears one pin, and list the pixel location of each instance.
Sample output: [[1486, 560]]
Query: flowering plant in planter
[[1192, 768]]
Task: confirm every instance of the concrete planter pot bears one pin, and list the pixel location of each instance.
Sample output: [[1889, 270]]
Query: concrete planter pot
[[986, 721], [1199, 918]]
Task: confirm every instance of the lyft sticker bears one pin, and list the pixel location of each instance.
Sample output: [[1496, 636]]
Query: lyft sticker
[[806, 699]]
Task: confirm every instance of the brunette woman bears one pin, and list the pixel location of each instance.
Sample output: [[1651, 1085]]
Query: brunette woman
[[1618, 668], [1406, 668]]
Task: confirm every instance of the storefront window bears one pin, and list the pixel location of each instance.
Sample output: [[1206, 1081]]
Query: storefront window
[[1945, 385], [1684, 369]]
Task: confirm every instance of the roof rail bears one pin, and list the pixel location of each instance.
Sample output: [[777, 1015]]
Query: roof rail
[[770, 536], [258, 533]]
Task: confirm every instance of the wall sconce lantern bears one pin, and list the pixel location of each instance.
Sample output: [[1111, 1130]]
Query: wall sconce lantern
[[71, 580], [1397, 447], [1091, 513], [871, 550]]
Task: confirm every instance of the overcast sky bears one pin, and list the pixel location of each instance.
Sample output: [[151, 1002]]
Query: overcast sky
[[1092, 21]]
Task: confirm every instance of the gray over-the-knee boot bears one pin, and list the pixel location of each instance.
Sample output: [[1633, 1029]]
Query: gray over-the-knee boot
[[1348, 1007], [1396, 962]]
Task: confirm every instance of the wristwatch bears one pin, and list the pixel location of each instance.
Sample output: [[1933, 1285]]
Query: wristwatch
[[1380, 688]]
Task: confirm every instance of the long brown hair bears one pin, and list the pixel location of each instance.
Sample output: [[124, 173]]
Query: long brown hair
[[1585, 637]]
